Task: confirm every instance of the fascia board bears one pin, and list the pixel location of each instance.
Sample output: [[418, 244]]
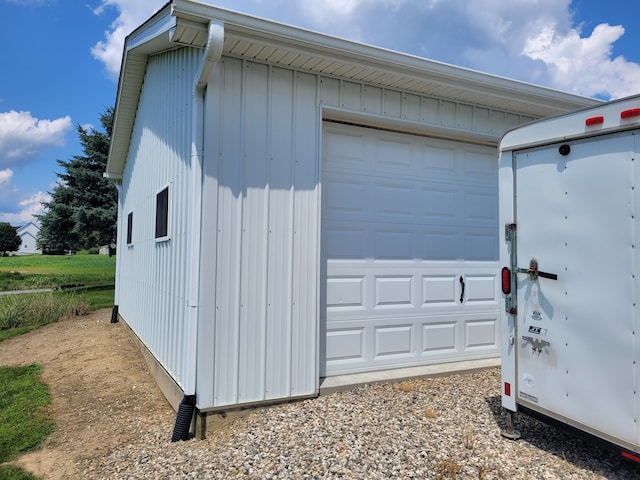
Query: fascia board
[[149, 38]]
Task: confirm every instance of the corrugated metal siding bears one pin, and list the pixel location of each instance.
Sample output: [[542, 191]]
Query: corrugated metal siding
[[262, 208], [259, 323], [152, 275], [403, 105]]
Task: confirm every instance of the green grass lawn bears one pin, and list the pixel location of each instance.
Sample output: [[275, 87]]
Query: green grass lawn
[[8, 472], [83, 283], [52, 271], [24, 420]]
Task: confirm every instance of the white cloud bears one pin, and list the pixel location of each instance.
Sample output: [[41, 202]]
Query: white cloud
[[22, 136], [584, 64], [5, 177], [131, 14], [29, 207]]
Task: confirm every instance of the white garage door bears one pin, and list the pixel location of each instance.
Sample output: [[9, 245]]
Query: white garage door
[[410, 250]]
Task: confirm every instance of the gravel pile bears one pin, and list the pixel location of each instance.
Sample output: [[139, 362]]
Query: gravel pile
[[438, 428]]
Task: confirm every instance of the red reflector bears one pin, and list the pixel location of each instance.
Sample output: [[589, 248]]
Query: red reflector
[[631, 457], [507, 392], [589, 122], [634, 112], [506, 280]]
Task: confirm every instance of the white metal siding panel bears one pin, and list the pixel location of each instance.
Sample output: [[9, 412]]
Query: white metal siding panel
[[279, 237], [404, 219], [263, 304], [306, 234], [421, 109], [152, 275], [228, 146]]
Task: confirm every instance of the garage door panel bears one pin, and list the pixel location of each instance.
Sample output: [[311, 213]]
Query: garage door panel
[[342, 240], [345, 292], [396, 341], [399, 343], [439, 290], [480, 244], [481, 289], [438, 162], [345, 196], [439, 203], [414, 287], [480, 207], [393, 291], [439, 338], [346, 345], [395, 200], [481, 334], [344, 148], [396, 244], [442, 244], [397, 154], [400, 227], [479, 165]]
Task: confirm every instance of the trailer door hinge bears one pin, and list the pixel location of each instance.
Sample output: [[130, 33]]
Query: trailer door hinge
[[509, 306], [510, 232]]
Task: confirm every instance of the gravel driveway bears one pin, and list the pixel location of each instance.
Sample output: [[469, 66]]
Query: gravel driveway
[[439, 428]]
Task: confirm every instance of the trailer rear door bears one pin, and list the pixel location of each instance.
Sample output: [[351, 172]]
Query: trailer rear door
[[576, 334]]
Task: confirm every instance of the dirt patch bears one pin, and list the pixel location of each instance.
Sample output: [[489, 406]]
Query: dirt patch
[[102, 393]]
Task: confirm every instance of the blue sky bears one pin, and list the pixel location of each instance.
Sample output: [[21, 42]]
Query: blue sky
[[60, 60]]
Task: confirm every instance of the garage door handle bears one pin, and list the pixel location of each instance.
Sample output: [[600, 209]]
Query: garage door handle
[[461, 289]]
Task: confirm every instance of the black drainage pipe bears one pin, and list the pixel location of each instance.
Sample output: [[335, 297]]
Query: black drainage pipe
[[114, 314], [183, 419]]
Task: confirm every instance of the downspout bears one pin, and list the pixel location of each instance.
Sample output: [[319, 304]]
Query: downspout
[[116, 297], [212, 54]]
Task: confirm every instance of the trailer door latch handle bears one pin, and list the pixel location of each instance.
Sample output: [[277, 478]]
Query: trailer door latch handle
[[534, 273]]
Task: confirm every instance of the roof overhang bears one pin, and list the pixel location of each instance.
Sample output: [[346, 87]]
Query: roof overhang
[[185, 22]]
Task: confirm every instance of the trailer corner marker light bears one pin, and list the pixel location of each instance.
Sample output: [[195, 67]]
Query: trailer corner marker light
[[630, 456], [506, 280], [507, 389], [633, 112], [590, 122]]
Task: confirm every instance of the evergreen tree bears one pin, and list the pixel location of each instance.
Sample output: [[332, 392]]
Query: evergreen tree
[[83, 210], [9, 239]]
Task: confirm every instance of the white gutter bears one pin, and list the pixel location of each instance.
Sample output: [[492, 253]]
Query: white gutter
[[212, 54]]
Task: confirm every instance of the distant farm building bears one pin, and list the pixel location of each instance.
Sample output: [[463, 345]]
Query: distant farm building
[[28, 234]]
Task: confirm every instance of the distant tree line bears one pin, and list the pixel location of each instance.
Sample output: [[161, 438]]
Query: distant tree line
[[83, 210]]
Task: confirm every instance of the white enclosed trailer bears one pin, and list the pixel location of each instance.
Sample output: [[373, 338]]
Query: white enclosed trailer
[[570, 203]]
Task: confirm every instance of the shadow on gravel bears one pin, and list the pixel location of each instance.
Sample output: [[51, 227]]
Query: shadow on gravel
[[580, 452]]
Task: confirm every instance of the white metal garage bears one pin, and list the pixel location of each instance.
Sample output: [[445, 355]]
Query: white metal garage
[[409, 235], [299, 247]]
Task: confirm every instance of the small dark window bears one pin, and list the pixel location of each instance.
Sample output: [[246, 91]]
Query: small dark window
[[162, 213], [130, 228]]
